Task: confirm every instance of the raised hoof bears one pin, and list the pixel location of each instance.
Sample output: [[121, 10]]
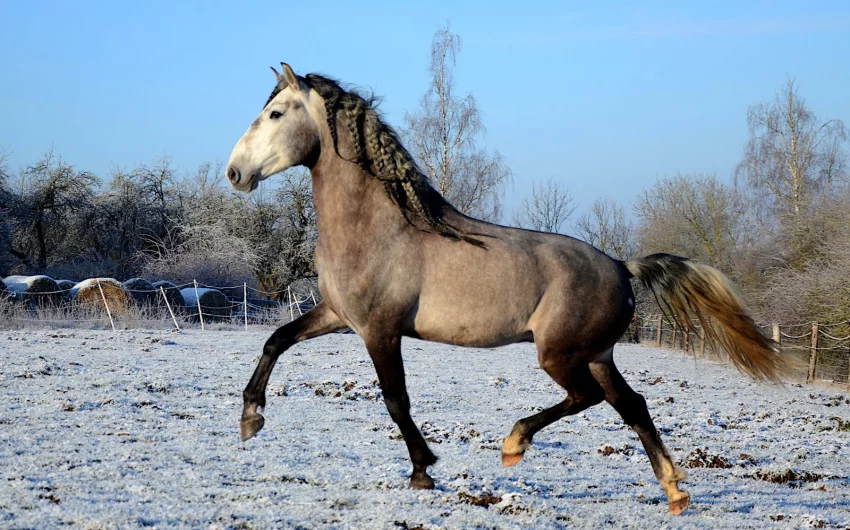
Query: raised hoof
[[421, 482], [251, 426], [511, 460], [679, 505]]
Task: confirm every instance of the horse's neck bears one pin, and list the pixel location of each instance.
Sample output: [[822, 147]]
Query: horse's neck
[[349, 202]]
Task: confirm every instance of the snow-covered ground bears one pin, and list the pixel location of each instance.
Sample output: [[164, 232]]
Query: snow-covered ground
[[141, 430]]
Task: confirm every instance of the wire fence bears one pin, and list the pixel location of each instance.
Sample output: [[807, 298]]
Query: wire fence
[[823, 348], [188, 305]]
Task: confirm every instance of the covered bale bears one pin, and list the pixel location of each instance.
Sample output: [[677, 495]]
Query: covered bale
[[172, 293], [143, 292], [88, 293], [65, 285], [214, 304], [35, 291]]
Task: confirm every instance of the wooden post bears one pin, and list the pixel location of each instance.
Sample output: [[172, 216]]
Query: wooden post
[[245, 302], [702, 344], [200, 312], [675, 336], [108, 312], [289, 295], [176, 325], [686, 341], [658, 330], [777, 337], [636, 329], [813, 355]]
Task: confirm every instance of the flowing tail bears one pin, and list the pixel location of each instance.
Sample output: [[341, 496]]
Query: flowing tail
[[689, 290]]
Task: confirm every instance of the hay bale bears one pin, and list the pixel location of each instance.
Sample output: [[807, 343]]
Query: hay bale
[[143, 292], [87, 293], [35, 291], [172, 293], [214, 304]]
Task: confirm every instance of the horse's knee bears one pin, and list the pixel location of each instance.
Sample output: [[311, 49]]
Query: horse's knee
[[279, 342]]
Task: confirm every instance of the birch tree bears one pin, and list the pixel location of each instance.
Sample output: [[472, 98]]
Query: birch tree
[[444, 134]]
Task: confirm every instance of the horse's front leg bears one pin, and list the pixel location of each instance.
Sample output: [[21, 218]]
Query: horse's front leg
[[386, 355], [318, 321]]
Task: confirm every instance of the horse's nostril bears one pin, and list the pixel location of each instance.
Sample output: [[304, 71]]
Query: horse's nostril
[[233, 175]]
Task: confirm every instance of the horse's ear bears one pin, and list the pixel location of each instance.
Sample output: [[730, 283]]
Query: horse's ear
[[291, 78], [276, 74]]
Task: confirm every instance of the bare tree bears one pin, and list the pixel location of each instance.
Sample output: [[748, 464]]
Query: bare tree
[[696, 216], [443, 135], [6, 207], [792, 158], [605, 227], [548, 208], [51, 197]]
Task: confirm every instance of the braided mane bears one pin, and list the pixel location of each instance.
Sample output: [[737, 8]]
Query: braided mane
[[381, 155]]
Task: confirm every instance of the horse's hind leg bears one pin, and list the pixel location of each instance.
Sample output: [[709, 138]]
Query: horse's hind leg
[[319, 321], [632, 408], [582, 392]]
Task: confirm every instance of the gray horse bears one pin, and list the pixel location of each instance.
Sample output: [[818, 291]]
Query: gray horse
[[395, 259]]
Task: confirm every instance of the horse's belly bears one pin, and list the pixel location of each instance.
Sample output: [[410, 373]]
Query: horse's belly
[[482, 327]]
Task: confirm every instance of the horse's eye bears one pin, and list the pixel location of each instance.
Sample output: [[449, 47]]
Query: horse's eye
[[275, 115]]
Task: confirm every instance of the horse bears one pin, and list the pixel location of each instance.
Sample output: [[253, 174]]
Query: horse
[[395, 259]]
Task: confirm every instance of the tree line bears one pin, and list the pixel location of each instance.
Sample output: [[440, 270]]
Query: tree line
[[778, 226]]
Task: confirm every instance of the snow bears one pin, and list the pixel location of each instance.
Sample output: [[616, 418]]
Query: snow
[[141, 429], [20, 284]]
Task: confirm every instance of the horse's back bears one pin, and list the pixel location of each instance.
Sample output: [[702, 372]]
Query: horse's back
[[517, 285]]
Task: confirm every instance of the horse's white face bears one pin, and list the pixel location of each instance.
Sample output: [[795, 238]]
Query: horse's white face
[[282, 136]]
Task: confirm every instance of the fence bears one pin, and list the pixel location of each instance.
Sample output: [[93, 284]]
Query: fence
[[823, 348], [164, 306]]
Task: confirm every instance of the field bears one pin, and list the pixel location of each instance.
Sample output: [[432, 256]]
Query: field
[[140, 429]]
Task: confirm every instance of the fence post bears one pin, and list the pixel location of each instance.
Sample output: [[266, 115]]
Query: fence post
[[813, 356], [658, 331], [200, 312], [245, 302], [636, 329], [686, 341], [777, 337], [108, 312], [289, 295], [675, 336], [702, 344], [176, 325]]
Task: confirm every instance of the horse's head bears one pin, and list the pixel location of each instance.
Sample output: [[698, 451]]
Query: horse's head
[[282, 136]]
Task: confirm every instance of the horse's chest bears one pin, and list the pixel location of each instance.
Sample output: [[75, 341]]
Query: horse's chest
[[343, 279]]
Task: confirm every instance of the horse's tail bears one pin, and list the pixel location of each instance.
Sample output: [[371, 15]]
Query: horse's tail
[[690, 290]]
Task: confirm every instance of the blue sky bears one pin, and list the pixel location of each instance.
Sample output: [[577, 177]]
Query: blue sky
[[605, 98]]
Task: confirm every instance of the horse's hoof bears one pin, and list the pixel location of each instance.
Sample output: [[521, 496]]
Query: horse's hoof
[[421, 481], [511, 460], [679, 505], [251, 425]]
